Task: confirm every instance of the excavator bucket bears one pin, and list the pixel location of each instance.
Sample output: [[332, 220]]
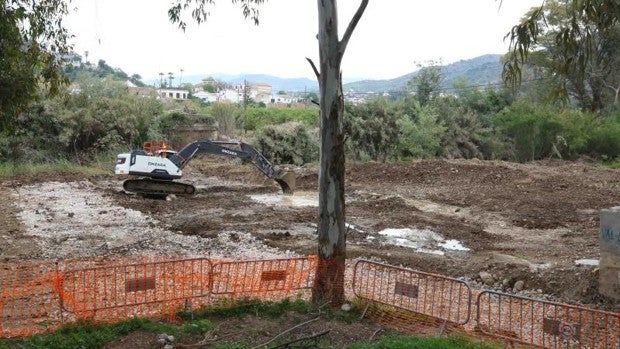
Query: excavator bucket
[[286, 180]]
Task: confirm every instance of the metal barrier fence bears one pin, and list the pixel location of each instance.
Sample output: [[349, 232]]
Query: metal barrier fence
[[37, 297], [265, 279], [436, 296], [120, 291], [545, 324], [28, 301]]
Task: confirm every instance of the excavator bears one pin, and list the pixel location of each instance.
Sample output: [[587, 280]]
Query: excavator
[[158, 166]]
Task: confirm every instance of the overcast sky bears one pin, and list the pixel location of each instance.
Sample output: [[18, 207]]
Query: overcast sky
[[136, 36]]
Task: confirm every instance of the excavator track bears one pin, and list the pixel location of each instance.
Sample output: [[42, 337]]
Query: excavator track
[[157, 188]]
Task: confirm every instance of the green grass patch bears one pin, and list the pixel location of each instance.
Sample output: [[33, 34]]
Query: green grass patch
[[405, 342], [240, 308], [87, 336], [9, 170], [612, 164]]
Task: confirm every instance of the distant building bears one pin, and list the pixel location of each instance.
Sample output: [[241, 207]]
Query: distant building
[[207, 97], [172, 94]]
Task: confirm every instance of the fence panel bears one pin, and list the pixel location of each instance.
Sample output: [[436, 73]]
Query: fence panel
[[122, 291], [28, 303], [545, 324], [436, 296], [271, 279]]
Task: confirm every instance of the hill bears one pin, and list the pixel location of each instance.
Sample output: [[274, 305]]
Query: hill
[[481, 70]]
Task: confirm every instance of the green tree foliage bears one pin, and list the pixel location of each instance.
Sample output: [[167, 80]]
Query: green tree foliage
[[544, 132], [82, 125], [580, 39], [287, 145], [421, 133], [226, 116], [257, 117], [604, 140], [372, 130], [33, 42], [209, 88], [426, 84]]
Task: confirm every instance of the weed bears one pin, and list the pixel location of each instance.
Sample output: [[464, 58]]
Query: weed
[[86, 335], [198, 326]]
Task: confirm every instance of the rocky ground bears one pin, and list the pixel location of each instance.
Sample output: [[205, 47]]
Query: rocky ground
[[526, 228]]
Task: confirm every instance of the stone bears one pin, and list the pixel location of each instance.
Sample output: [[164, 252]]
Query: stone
[[486, 278], [518, 287]]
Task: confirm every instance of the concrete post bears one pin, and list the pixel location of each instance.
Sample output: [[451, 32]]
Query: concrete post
[[609, 237]]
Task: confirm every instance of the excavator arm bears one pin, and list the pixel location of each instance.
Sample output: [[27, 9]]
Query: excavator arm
[[246, 152], [178, 160]]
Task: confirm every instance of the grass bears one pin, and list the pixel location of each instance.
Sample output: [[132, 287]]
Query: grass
[[91, 336], [406, 342], [8, 170], [613, 164], [87, 336], [240, 308]]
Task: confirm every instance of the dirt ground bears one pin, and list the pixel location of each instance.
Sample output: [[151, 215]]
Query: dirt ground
[[517, 222]]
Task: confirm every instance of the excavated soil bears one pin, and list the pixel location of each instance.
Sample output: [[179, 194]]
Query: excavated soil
[[517, 222]]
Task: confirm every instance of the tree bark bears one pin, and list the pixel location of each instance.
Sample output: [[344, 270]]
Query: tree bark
[[329, 280]]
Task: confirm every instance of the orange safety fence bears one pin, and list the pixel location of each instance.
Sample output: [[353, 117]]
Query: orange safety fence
[[265, 279], [28, 303], [545, 324], [40, 296], [432, 298], [121, 291]]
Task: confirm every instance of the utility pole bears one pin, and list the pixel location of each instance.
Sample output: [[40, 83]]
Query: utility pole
[[181, 78]]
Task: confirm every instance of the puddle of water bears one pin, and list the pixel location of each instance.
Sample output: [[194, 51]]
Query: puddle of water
[[353, 228], [587, 262], [298, 199], [454, 245], [421, 240]]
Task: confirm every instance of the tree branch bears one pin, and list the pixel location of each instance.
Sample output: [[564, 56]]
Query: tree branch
[[347, 34], [316, 71], [285, 332]]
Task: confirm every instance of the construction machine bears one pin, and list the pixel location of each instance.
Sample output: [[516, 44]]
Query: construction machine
[[159, 167]]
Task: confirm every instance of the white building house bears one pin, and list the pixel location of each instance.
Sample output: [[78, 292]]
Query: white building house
[[207, 97], [172, 93]]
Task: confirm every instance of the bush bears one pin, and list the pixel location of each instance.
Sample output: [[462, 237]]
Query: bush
[[372, 130], [604, 140], [287, 145], [542, 132]]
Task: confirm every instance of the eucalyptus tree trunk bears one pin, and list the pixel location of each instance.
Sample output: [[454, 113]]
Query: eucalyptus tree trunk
[[329, 281]]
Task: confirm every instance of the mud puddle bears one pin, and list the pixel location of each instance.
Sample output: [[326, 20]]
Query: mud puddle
[[420, 240], [298, 199]]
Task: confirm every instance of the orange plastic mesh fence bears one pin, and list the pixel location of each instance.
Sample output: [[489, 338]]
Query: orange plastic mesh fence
[[36, 297], [28, 302], [265, 279], [428, 295], [120, 291], [545, 324]]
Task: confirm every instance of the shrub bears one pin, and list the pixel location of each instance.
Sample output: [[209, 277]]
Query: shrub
[[287, 145]]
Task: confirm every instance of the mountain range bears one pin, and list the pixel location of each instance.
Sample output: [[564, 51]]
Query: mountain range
[[482, 70]]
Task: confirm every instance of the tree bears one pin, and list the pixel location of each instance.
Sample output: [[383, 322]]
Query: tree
[[427, 82], [170, 77], [580, 45], [33, 42], [329, 280]]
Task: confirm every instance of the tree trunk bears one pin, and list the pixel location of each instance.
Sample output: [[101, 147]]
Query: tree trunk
[[329, 280]]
